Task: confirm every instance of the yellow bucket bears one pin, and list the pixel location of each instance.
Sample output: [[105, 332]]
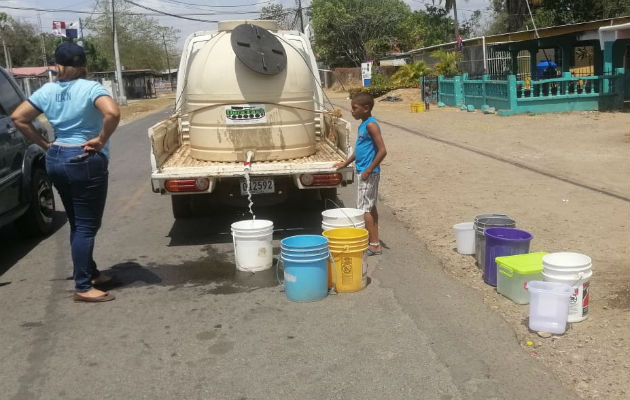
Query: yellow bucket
[[417, 107], [347, 270]]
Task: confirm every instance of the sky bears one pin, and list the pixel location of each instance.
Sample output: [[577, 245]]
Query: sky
[[214, 10]]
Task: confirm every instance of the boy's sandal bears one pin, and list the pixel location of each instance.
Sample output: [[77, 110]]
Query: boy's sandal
[[371, 252]]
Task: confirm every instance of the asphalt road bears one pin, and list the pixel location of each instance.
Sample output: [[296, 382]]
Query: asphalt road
[[186, 325]]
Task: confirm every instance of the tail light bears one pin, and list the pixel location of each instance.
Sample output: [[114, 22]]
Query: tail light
[[332, 179], [187, 185]]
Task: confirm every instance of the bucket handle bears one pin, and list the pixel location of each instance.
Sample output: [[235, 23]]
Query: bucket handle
[[278, 262], [341, 209], [579, 278], [333, 289]]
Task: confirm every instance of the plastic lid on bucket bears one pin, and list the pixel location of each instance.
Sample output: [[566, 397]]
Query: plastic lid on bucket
[[522, 264]]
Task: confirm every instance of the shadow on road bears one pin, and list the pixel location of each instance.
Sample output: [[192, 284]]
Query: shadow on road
[[14, 247]]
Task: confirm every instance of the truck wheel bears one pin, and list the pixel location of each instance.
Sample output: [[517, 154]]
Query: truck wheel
[[182, 206], [38, 219], [329, 198]]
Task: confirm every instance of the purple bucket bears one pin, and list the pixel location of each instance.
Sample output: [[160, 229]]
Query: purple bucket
[[503, 242]]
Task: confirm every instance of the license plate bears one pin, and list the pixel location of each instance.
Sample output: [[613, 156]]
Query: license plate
[[257, 186]]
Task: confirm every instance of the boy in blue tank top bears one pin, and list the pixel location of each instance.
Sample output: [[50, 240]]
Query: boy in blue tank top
[[369, 151]]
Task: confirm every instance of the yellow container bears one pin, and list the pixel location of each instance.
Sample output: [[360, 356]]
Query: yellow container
[[417, 107], [347, 269]]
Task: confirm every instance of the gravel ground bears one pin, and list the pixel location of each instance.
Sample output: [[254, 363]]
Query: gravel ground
[[562, 177]]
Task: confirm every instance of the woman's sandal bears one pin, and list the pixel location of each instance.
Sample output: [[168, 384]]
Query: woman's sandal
[[98, 299]]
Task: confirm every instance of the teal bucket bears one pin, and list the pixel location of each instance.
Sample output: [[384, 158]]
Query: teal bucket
[[305, 260]]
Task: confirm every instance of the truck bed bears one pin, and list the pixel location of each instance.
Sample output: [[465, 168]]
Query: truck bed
[[182, 162], [171, 155]]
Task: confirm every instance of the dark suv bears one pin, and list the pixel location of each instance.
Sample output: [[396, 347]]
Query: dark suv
[[26, 195]]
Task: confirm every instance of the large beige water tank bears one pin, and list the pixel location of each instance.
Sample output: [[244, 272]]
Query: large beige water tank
[[240, 97]]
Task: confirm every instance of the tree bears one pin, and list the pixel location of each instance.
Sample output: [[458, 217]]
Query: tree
[[276, 12], [140, 39], [513, 15], [24, 43], [447, 66], [348, 32]]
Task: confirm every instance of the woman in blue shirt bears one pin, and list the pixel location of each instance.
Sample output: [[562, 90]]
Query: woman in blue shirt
[[83, 116]]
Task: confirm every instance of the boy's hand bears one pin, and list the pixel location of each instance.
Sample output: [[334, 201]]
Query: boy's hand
[[365, 175], [339, 165]]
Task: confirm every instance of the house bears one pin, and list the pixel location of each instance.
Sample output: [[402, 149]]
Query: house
[[32, 78], [138, 83]]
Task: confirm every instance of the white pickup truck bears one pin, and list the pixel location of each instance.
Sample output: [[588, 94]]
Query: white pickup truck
[[197, 183]]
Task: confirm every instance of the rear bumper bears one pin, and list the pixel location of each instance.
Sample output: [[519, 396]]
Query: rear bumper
[[219, 182]]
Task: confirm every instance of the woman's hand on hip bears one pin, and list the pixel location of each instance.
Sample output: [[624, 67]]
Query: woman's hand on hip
[[94, 144]]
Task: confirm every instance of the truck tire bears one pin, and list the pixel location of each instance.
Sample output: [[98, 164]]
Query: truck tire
[[182, 206], [329, 198], [38, 219]]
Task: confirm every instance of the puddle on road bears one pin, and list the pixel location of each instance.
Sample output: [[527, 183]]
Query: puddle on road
[[215, 276]]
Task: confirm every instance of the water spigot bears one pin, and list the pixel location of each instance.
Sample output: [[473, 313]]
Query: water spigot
[[247, 163]]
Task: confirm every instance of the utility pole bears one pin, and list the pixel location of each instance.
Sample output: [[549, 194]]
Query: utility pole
[[168, 64], [81, 33], [122, 99], [299, 10], [7, 58], [455, 18], [44, 58]]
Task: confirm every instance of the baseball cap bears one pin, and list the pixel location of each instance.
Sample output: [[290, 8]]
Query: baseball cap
[[70, 54]]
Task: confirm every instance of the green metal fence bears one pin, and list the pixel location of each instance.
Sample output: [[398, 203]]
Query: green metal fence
[[511, 96]]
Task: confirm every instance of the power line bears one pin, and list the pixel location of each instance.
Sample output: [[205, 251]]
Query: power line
[[180, 16], [155, 13], [203, 6], [47, 10]]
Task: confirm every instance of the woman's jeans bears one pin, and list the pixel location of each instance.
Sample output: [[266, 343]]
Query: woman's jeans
[[81, 180]]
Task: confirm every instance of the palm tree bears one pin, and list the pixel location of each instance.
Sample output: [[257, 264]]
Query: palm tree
[[409, 74], [448, 6]]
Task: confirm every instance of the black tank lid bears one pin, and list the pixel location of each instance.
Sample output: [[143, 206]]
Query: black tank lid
[[259, 49]]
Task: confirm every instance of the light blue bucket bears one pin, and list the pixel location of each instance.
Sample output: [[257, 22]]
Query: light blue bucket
[[305, 259], [300, 246]]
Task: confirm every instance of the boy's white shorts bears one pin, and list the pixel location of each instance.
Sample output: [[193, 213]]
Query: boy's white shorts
[[367, 192]]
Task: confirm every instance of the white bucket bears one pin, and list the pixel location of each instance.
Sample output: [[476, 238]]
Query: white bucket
[[343, 217], [574, 269], [548, 306], [252, 244], [465, 237]]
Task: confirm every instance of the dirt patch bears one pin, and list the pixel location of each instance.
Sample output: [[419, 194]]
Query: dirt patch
[[562, 177], [136, 109]]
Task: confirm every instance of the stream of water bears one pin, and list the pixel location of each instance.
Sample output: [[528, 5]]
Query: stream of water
[[249, 193]]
